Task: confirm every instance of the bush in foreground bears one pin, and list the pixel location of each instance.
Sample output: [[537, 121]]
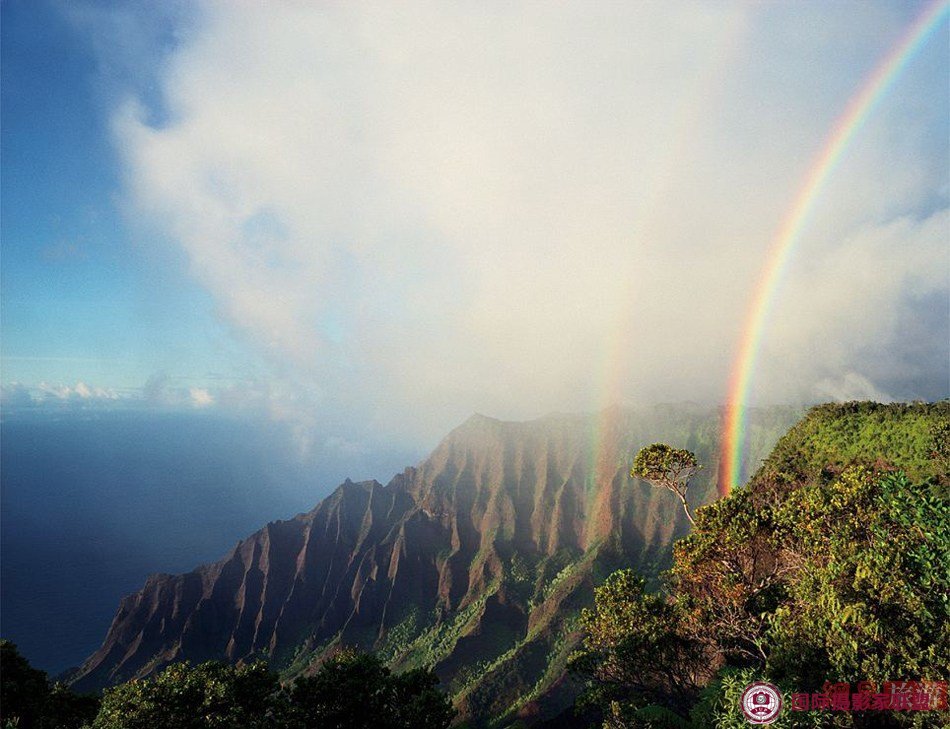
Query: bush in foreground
[[350, 691]]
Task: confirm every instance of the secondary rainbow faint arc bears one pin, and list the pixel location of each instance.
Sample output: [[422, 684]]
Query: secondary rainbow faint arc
[[850, 121], [613, 371]]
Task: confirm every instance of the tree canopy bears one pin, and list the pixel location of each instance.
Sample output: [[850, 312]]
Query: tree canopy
[[356, 690], [212, 695], [351, 690], [666, 467]]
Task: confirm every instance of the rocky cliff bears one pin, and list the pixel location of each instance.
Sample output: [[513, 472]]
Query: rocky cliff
[[476, 561]]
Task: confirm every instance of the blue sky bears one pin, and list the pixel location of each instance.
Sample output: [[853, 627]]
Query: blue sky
[[85, 297], [328, 214]]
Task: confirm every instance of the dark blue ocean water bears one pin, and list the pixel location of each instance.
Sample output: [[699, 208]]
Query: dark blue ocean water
[[91, 503]]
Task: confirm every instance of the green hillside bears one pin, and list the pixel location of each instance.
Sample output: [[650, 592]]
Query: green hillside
[[832, 566], [902, 435]]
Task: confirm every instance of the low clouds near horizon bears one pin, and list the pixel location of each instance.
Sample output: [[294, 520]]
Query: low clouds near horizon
[[419, 212]]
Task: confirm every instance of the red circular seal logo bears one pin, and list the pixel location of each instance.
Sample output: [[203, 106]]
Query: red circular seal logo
[[761, 703]]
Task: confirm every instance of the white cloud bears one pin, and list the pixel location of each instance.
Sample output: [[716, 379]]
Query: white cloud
[[164, 391], [200, 397], [61, 393], [55, 392], [852, 386], [846, 308], [419, 212]]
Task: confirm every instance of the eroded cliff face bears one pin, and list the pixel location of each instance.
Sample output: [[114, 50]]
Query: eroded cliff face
[[476, 562]]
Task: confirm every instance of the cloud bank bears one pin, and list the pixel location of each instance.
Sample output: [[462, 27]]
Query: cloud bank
[[420, 212]]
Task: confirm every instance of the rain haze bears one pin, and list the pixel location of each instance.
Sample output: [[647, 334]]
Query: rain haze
[[404, 215]]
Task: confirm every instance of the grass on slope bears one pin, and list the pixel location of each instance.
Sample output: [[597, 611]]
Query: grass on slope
[[840, 434]]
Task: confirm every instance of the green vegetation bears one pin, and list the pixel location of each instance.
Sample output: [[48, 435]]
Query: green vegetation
[[635, 643], [436, 642], [209, 695], [833, 564], [349, 691], [909, 436], [28, 700], [356, 690]]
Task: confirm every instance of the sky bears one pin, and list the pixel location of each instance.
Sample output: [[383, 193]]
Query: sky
[[370, 220]]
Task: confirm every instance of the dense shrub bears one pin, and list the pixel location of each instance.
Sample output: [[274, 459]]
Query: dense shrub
[[356, 691], [212, 695], [349, 691]]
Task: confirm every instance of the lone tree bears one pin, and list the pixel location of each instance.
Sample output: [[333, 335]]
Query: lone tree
[[671, 468]]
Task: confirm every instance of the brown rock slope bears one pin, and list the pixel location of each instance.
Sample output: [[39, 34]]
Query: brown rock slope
[[476, 562]]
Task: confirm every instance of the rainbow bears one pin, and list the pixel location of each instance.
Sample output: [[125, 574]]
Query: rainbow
[[844, 130], [696, 103]]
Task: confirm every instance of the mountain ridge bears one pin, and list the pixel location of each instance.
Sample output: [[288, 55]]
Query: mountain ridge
[[476, 560]]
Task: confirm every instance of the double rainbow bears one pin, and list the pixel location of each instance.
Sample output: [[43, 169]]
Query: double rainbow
[[847, 125]]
